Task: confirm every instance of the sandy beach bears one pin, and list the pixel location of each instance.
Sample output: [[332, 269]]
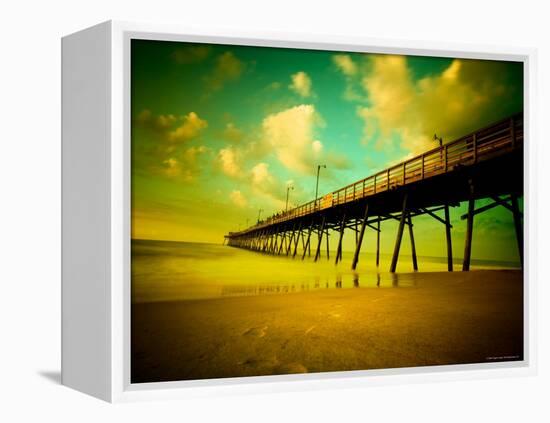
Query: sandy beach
[[443, 318]]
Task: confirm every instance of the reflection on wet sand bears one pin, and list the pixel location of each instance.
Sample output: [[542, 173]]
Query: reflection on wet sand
[[174, 271], [378, 280]]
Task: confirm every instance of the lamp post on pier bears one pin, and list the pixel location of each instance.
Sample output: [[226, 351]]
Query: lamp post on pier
[[317, 183], [259, 214], [288, 188], [440, 139]]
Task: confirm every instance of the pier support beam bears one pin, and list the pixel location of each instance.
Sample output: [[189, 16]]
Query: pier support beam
[[339, 248], [297, 240], [469, 230], [448, 237], [328, 247], [378, 244], [518, 225], [291, 240], [360, 238], [306, 245], [399, 237], [413, 246], [321, 231], [283, 243]]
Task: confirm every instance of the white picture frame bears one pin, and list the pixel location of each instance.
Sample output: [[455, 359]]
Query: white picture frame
[[96, 214]]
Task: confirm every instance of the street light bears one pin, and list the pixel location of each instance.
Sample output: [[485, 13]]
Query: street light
[[259, 213], [288, 188], [317, 184], [440, 139]]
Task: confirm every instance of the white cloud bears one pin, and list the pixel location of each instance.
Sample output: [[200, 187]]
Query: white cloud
[[238, 198], [345, 64], [228, 68], [186, 165], [291, 135], [458, 99], [317, 147], [229, 161], [260, 175], [301, 84], [267, 185], [191, 125], [171, 167]]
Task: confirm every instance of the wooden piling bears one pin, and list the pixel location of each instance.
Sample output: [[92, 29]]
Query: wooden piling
[[518, 226], [292, 238], [449, 241], [469, 230], [378, 244], [307, 241], [297, 240], [339, 249], [320, 234], [399, 236], [413, 246], [283, 243], [360, 238], [328, 247]]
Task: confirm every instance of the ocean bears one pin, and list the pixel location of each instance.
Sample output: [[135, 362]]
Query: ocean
[[174, 271]]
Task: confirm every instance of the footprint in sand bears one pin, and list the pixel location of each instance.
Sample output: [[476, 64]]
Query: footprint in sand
[[257, 332], [310, 329]]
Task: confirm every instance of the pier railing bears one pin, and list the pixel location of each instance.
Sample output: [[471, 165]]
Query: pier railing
[[483, 144]]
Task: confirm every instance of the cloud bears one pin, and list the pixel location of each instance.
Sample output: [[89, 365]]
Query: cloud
[[291, 135], [337, 161], [238, 198], [349, 68], [465, 95], [301, 84], [232, 133], [171, 167], [317, 147], [229, 160], [184, 165], [266, 184], [261, 176], [345, 64], [191, 54], [165, 149], [189, 128], [171, 128], [228, 68]]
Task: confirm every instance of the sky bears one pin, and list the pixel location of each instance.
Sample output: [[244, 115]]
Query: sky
[[220, 131]]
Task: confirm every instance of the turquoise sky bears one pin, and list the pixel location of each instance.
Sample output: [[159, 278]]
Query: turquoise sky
[[218, 132]]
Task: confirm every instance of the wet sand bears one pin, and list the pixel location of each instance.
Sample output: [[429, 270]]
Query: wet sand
[[444, 318]]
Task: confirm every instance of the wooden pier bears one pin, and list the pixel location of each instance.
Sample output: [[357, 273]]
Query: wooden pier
[[486, 164]]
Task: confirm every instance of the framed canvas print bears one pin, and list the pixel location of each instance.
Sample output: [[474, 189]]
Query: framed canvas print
[[254, 212]]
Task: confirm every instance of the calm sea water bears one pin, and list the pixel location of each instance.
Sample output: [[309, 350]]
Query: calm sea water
[[168, 271]]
